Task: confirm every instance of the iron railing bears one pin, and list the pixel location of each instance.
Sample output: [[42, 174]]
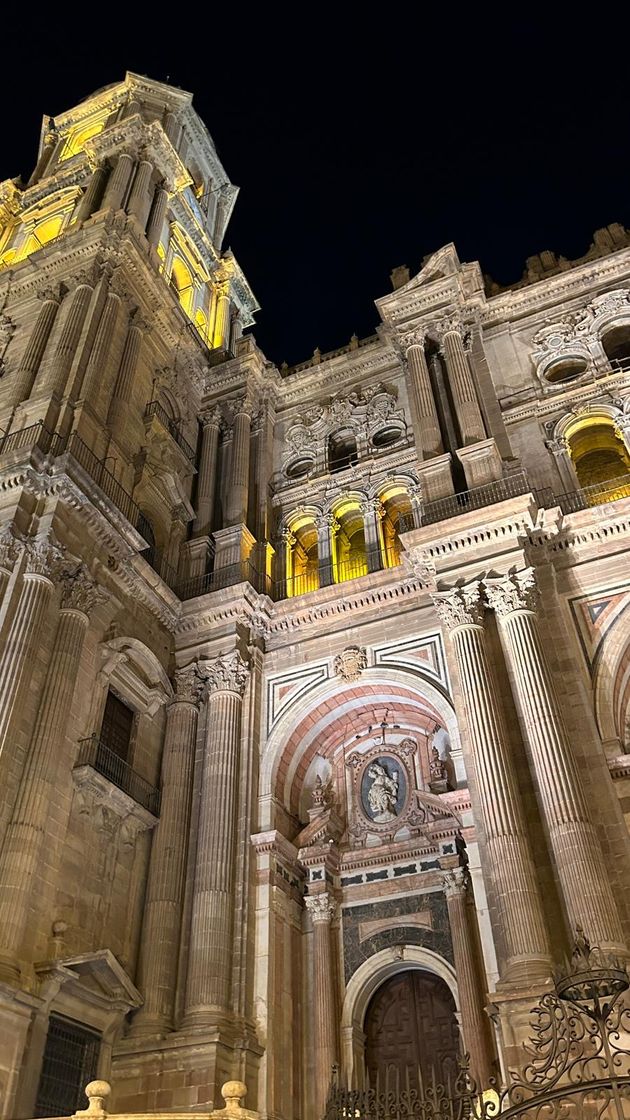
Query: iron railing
[[156, 559], [600, 493], [442, 509], [154, 408], [241, 572], [93, 752]]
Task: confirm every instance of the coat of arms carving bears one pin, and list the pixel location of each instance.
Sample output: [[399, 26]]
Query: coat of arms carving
[[350, 663]]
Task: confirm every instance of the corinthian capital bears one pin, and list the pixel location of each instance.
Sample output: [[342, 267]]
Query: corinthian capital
[[461, 606], [517, 592], [321, 907], [44, 557], [188, 685], [454, 882], [228, 673], [78, 590], [415, 337], [10, 548]]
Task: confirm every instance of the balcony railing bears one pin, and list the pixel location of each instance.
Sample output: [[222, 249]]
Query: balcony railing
[[600, 493], [154, 408], [509, 487], [243, 571], [94, 753], [166, 571]]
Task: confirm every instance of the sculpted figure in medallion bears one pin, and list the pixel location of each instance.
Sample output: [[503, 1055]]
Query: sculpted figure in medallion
[[383, 793]]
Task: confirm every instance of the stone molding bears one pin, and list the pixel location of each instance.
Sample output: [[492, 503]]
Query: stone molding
[[228, 673], [321, 907], [461, 606], [517, 592]]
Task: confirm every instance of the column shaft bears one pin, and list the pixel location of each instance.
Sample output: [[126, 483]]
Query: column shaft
[[158, 214], [140, 198], [122, 388], [574, 842], [469, 983], [26, 834], [16, 658], [31, 359], [471, 423], [93, 194], [221, 339], [238, 492], [327, 526], [428, 435], [373, 512], [206, 479], [57, 375], [325, 1017], [161, 927], [118, 182], [93, 386]]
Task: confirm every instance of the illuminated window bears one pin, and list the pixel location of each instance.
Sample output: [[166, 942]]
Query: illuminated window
[[349, 552], [25, 238], [600, 458], [342, 450], [182, 283], [302, 560], [396, 518]]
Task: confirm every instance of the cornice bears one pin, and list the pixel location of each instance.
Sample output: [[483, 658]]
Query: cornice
[[513, 304], [374, 361], [561, 402]]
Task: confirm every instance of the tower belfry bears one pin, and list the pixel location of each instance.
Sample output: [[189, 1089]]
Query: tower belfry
[[314, 687]]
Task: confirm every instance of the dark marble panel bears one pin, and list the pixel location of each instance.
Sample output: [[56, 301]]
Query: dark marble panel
[[438, 939]]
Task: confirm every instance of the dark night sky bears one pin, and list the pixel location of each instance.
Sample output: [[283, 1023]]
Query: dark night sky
[[357, 150]]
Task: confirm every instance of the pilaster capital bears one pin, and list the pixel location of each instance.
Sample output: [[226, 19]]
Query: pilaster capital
[[288, 536], [44, 557], [373, 506], [51, 137], [211, 417], [244, 404], [79, 591], [413, 339], [83, 279], [461, 606], [327, 522], [450, 325], [228, 673], [49, 293], [188, 686], [454, 882], [139, 322], [10, 548], [517, 592], [559, 446], [321, 907]]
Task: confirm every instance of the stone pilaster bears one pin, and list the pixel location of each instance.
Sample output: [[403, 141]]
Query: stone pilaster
[[141, 197], [93, 194], [373, 512], [124, 380], [469, 416], [321, 908], [10, 550], [425, 418], [577, 853], [78, 302], [26, 834], [161, 927], [520, 916], [29, 365], [101, 349], [207, 477], [474, 1022], [327, 527], [208, 986], [236, 506]]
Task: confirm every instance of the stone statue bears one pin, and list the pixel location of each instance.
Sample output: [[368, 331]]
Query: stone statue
[[438, 776], [383, 793]]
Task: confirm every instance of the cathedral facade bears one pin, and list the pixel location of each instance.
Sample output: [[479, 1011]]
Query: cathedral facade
[[314, 681]]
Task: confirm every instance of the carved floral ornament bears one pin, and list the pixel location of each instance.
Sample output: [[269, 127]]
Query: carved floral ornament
[[465, 606], [228, 673], [11, 546], [364, 413], [321, 907], [79, 592], [578, 333], [350, 663]]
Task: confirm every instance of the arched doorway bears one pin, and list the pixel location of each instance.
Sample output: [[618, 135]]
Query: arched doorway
[[411, 1030]]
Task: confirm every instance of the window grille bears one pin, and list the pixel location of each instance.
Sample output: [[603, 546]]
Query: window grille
[[70, 1062], [117, 727]]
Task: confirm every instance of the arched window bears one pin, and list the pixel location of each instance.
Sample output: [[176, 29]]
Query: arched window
[[76, 139], [342, 450], [616, 344], [600, 458], [182, 284], [349, 551], [302, 565], [397, 517]]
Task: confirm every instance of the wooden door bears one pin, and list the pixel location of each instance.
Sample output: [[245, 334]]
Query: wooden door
[[410, 1025]]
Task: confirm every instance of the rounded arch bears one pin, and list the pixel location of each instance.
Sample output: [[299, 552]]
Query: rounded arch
[[301, 541], [368, 978], [350, 556], [611, 683], [306, 729], [596, 448]]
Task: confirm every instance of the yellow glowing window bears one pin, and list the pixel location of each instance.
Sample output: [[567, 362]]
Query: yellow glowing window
[[182, 283], [39, 235], [76, 139]]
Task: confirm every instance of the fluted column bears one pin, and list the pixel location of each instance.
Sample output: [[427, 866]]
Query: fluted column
[[327, 526], [26, 835], [221, 332], [161, 926], [157, 216], [474, 1023], [28, 368], [118, 182], [471, 425], [207, 477], [426, 422], [520, 916], [93, 194], [126, 371], [101, 349], [78, 303], [208, 983], [16, 657], [140, 197], [325, 1018], [573, 838], [236, 504], [373, 512]]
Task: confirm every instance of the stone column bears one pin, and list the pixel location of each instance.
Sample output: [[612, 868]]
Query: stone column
[[426, 423], [10, 549], [510, 864], [284, 570], [207, 477], [124, 381], [161, 927], [172, 128], [78, 303], [577, 853], [157, 216], [17, 655], [101, 350], [373, 512], [471, 425], [220, 338], [140, 198], [236, 504], [325, 1018], [118, 182], [208, 985], [93, 194], [327, 526], [474, 1023], [26, 835], [28, 368]]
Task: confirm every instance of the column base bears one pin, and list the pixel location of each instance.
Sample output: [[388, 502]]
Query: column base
[[435, 478], [482, 463], [510, 1013], [526, 972]]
